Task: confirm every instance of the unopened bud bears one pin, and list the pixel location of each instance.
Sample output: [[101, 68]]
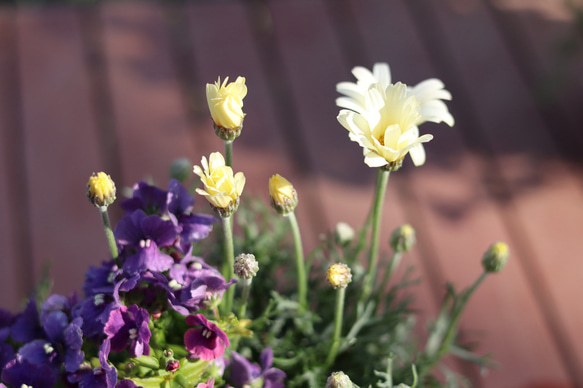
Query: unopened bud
[[101, 189], [282, 195], [343, 233], [495, 257], [339, 275], [245, 266], [181, 169], [172, 365], [403, 238], [339, 380]]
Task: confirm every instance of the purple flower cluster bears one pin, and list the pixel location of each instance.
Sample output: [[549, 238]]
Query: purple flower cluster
[[154, 276]]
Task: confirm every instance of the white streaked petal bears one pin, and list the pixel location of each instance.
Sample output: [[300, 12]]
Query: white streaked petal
[[417, 154], [382, 73]]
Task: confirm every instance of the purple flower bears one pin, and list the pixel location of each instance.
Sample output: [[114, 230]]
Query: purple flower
[[27, 326], [141, 235], [104, 376], [102, 279], [20, 372], [245, 373], [129, 325], [191, 227], [6, 351], [207, 342], [147, 198], [95, 312]]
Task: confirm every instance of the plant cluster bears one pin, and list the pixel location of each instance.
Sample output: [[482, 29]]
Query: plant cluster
[[160, 313]]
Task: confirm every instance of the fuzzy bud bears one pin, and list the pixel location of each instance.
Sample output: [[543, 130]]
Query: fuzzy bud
[[343, 233], [245, 266], [339, 380], [282, 195], [101, 189], [403, 238], [339, 275], [495, 257]]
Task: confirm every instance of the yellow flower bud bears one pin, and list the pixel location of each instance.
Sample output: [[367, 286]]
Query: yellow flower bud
[[339, 380], [339, 275], [221, 188], [495, 257], [403, 238], [282, 195], [225, 103], [101, 189]]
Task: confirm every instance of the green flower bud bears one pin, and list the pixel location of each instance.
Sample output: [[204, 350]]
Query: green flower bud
[[181, 169], [495, 257], [339, 380], [403, 238]]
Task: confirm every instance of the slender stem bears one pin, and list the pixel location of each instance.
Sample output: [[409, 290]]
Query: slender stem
[[394, 263], [300, 264], [459, 302], [109, 234], [228, 261], [337, 326], [229, 153], [244, 297], [381, 187]]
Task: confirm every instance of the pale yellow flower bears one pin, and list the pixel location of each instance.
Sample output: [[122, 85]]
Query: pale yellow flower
[[383, 117], [225, 103], [282, 194], [221, 188], [101, 189]]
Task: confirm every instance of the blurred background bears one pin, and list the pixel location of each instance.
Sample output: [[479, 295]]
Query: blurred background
[[119, 87]]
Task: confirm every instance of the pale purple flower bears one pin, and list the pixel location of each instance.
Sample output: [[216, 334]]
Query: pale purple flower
[[206, 342], [245, 373], [21, 372], [129, 326]]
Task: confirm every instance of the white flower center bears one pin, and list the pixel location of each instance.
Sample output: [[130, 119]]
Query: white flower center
[[133, 334], [207, 333], [98, 299], [145, 243], [48, 348]]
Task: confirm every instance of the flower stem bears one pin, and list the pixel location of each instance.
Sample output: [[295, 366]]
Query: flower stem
[[244, 297], [337, 326], [300, 264], [394, 263], [381, 187], [229, 153], [228, 261], [459, 303], [109, 234]]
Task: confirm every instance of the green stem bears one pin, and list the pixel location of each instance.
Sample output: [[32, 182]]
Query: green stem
[[244, 297], [300, 264], [228, 261], [229, 153], [109, 234], [337, 326], [459, 303], [394, 263], [381, 187]]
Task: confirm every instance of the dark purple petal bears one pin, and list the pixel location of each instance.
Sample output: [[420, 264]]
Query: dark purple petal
[[242, 371], [27, 326], [100, 280], [19, 372], [148, 258], [147, 198], [128, 230], [129, 326], [38, 352], [273, 378], [179, 200], [158, 230], [54, 324], [6, 355]]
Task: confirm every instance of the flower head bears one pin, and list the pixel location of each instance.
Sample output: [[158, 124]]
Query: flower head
[[339, 275], [129, 326], [383, 118], [245, 373], [282, 194], [245, 266], [495, 257], [221, 188], [101, 189], [226, 106], [208, 341]]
